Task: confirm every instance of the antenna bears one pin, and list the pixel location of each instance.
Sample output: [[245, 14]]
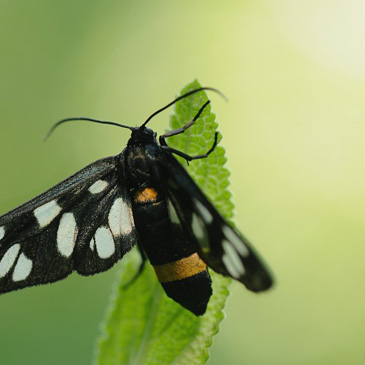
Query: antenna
[[88, 120], [179, 98], [126, 126]]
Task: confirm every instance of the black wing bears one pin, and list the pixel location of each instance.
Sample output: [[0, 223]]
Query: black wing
[[219, 245], [84, 223]]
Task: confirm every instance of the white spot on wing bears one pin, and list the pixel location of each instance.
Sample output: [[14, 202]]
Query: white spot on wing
[[204, 212], [230, 267], [23, 268], [232, 260], [2, 232], [92, 244], [98, 187], [46, 213], [172, 212], [236, 241], [119, 218], [199, 230], [104, 242], [66, 235], [8, 259]]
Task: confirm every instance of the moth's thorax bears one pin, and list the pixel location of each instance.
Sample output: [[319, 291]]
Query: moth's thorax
[[140, 164]]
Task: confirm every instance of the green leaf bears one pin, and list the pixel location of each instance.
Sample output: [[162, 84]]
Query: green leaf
[[143, 325]]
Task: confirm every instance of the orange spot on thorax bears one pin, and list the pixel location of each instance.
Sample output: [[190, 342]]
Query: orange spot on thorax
[[147, 195]]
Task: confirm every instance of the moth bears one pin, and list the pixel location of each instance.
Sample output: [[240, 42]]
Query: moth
[[143, 197]]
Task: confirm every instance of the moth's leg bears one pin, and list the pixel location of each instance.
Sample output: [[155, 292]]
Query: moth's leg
[[190, 158], [184, 128], [140, 269]]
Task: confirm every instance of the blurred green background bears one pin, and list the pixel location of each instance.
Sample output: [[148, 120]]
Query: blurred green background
[[294, 128]]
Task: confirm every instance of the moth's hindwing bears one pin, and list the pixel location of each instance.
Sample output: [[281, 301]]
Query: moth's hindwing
[[83, 223], [220, 246]]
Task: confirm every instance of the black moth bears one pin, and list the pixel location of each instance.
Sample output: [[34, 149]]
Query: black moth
[[142, 196]]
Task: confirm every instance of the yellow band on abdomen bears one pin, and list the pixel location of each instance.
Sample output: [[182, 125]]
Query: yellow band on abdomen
[[180, 269]]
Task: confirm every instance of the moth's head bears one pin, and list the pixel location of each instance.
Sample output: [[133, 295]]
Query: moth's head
[[142, 136]]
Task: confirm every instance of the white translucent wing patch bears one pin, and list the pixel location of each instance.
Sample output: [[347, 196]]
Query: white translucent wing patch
[[198, 228], [204, 212], [23, 265], [120, 218], [46, 213], [234, 249], [104, 243], [66, 234], [2, 233], [22, 268], [8, 260], [119, 226], [234, 239], [98, 187], [232, 260], [92, 244], [200, 231], [172, 213]]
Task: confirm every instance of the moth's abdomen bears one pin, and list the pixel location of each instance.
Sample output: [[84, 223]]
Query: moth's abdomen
[[181, 272], [187, 281], [193, 293], [180, 269]]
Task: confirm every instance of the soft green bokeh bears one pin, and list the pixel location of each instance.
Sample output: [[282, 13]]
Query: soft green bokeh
[[294, 72]]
